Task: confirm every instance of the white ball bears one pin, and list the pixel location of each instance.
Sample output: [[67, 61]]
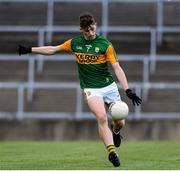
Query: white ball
[[119, 110]]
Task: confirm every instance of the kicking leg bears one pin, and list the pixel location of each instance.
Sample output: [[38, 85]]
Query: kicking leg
[[116, 127], [96, 105]]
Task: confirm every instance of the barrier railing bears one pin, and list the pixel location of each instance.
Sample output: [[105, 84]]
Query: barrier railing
[[104, 13], [78, 113], [42, 30]]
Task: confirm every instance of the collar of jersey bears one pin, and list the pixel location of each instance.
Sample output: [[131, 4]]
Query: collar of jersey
[[90, 40]]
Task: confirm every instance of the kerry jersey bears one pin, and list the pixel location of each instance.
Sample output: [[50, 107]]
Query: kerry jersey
[[92, 57]]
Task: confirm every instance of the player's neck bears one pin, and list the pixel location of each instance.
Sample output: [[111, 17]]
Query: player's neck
[[90, 37]]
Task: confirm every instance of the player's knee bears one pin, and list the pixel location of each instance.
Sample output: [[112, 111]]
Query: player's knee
[[102, 118]]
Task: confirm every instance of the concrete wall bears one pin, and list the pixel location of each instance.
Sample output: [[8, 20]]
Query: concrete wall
[[86, 130]]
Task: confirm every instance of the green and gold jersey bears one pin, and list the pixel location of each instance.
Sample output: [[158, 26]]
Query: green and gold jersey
[[92, 57]]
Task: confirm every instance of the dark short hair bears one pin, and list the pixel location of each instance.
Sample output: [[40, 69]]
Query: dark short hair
[[86, 19]]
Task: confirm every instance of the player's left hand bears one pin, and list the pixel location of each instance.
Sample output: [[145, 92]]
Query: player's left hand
[[135, 99], [23, 50]]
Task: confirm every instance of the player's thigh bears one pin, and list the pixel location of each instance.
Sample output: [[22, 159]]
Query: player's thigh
[[96, 105]]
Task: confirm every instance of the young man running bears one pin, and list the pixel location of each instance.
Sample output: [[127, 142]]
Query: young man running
[[92, 54]]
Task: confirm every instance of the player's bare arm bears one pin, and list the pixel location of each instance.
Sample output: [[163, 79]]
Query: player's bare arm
[[123, 81], [44, 50], [120, 75]]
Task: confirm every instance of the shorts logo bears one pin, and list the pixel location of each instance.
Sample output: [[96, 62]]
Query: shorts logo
[[87, 93]]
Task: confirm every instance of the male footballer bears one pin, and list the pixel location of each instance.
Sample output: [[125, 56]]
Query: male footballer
[[93, 53]]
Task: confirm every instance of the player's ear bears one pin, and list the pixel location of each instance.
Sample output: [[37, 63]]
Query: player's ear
[[81, 29]]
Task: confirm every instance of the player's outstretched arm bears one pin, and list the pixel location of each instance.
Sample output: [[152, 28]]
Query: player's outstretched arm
[[44, 50], [123, 80]]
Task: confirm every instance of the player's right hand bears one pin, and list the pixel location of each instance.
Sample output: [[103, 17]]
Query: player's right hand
[[23, 50], [135, 99]]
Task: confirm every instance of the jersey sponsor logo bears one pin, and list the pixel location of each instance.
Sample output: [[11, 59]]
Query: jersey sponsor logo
[[90, 58]]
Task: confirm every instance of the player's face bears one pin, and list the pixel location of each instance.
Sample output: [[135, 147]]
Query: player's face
[[89, 32]]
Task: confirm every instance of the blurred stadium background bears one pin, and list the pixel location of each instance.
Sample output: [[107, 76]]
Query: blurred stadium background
[[40, 98]]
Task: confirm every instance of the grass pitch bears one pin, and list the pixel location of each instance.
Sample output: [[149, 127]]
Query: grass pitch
[[144, 155]]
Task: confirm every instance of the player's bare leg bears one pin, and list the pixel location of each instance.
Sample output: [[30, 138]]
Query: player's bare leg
[[117, 125], [96, 105]]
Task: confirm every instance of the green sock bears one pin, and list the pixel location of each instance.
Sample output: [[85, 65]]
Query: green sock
[[110, 148]]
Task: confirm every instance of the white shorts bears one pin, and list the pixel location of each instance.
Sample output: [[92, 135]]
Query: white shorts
[[109, 93]]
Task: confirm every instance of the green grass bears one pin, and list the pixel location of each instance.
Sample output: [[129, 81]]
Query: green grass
[[143, 155]]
